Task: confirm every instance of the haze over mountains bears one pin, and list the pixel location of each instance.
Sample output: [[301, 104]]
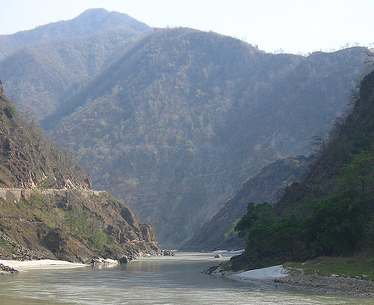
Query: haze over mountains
[[267, 186], [173, 121], [42, 67]]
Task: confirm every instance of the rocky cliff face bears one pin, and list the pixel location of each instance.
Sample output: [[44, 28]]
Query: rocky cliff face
[[47, 209], [178, 124], [267, 186], [74, 225]]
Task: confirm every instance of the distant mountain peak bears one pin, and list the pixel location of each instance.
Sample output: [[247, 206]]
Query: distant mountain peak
[[90, 22], [100, 17], [93, 12]]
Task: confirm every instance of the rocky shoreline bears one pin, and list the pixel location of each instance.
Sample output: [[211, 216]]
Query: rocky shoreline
[[348, 286], [297, 280]]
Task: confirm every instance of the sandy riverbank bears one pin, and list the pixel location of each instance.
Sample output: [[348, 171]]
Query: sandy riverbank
[[264, 274], [293, 279], [45, 264]]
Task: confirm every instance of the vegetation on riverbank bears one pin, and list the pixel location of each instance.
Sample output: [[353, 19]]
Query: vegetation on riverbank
[[360, 267], [331, 212]]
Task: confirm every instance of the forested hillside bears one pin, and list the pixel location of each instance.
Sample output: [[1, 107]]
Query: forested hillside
[[185, 117], [173, 121], [331, 212]]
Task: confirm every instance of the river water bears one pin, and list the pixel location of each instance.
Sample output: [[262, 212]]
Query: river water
[[167, 281]]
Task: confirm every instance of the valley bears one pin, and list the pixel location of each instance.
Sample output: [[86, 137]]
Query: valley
[[123, 144]]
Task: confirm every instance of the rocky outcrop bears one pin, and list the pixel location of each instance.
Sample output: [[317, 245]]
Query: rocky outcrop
[[148, 233], [166, 252], [7, 269], [73, 225]]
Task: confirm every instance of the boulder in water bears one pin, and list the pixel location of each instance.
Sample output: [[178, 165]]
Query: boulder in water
[[166, 252]]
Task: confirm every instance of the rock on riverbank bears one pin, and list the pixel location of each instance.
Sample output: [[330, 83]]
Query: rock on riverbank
[[7, 270]]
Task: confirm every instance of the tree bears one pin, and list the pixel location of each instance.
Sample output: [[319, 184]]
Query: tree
[[358, 175]]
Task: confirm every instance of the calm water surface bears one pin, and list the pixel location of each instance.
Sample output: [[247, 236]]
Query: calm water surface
[[171, 281]]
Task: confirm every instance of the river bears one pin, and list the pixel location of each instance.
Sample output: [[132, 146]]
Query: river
[[167, 281]]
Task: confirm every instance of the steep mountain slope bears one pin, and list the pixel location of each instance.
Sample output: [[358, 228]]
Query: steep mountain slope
[[47, 209], [28, 160], [266, 186], [185, 117], [50, 63], [331, 212]]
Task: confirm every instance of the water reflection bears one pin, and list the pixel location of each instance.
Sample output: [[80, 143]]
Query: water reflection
[[167, 281]]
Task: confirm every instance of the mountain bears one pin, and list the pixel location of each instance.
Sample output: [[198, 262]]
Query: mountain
[[330, 213], [89, 23], [48, 209], [41, 67], [266, 186], [178, 123]]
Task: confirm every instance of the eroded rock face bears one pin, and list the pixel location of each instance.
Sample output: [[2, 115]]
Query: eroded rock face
[[148, 233], [87, 226]]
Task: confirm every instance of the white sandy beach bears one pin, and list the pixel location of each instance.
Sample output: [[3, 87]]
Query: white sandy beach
[[40, 264], [270, 273]]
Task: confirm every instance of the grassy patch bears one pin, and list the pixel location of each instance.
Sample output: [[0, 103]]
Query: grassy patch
[[357, 266]]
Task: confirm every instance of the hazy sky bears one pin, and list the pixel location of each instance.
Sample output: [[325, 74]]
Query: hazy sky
[[291, 25]]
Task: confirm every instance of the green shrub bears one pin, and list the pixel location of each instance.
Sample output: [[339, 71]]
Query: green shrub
[[99, 239]]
